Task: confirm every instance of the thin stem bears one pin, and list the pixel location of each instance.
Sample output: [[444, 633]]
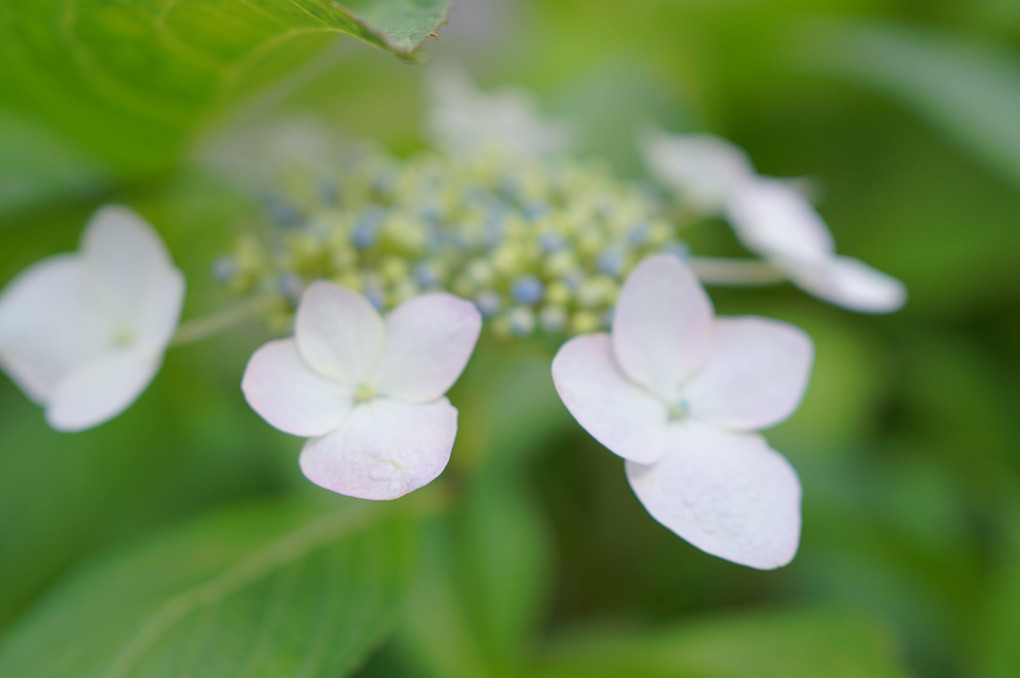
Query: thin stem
[[736, 272], [207, 326]]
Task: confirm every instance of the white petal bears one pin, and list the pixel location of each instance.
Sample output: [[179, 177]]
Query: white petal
[[773, 219], [50, 325], [338, 332], [702, 169], [100, 390], [754, 376], [463, 118], [385, 449], [852, 284], [661, 325], [729, 494], [292, 397], [429, 340], [618, 413], [132, 275]]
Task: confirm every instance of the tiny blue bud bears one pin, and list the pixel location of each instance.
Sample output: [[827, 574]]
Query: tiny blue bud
[[573, 279], [329, 190], [426, 275], [637, 234], [291, 286], [375, 296], [495, 228], [430, 215], [283, 214], [608, 315], [677, 248], [521, 321], [527, 289], [366, 229], [488, 302], [551, 241], [553, 318], [536, 210], [611, 261], [224, 268]]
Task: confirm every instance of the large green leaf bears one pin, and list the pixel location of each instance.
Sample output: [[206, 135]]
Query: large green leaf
[[124, 84], [968, 89], [789, 644], [270, 590], [487, 565]]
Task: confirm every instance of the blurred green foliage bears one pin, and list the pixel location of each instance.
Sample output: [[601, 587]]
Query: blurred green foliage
[[905, 114]]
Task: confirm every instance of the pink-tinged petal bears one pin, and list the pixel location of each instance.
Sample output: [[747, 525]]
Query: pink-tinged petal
[[50, 325], [132, 276], [338, 332], [290, 395], [429, 340], [775, 220], [702, 169], [384, 449], [754, 376], [729, 494], [100, 390], [618, 413], [661, 325], [852, 284]]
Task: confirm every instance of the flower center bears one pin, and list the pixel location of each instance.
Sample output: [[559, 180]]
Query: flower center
[[123, 336], [363, 392], [679, 410]]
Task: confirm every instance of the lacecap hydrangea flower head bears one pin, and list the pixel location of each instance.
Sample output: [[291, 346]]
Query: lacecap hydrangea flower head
[[383, 272]]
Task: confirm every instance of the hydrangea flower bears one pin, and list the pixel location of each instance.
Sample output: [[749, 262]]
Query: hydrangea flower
[[703, 170], [771, 217], [83, 334], [465, 119], [680, 394], [368, 392], [775, 221]]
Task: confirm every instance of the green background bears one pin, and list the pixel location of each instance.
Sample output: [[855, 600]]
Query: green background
[[532, 556]]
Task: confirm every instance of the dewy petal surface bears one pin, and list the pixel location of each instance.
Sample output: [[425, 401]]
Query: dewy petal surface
[[100, 390], [338, 332], [773, 219], [754, 376], [429, 340], [385, 449], [621, 415], [853, 284], [50, 325], [290, 395], [131, 273], [661, 324], [701, 168], [729, 494]]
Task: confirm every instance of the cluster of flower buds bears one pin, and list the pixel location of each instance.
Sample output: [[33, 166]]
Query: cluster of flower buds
[[387, 270], [538, 244]]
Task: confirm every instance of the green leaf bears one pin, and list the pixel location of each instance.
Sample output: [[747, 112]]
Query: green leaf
[[998, 654], [969, 90], [125, 85], [483, 583], [786, 644], [487, 566], [270, 590]]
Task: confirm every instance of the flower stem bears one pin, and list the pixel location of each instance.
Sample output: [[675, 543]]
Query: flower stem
[[736, 272], [209, 325]]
